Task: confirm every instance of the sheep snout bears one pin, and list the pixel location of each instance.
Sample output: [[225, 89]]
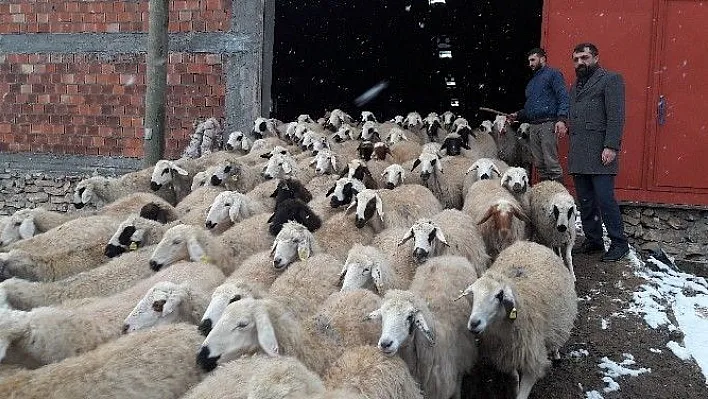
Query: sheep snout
[[153, 186], [475, 325], [204, 361], [112, 251], [155, 266], [125, 329], [209, 224], [420, 255]]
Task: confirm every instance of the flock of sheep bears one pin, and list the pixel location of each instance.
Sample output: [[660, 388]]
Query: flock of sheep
[[312, 259]]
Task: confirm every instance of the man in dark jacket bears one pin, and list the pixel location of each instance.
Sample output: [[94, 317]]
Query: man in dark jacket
[[546, 110], [596, 121]]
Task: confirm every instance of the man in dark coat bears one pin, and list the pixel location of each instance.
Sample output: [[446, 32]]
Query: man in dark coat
[[546, 111], [596, 121]]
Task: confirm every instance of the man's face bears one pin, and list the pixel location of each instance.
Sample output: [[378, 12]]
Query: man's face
[[583, 60], [536, 61]]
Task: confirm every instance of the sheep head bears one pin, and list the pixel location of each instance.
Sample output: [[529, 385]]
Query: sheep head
[[381, 149], [492, 302], [395, 175], [244, 328], [412, 120], [500, 124], [426, 235], [344, 190], [226, 208], [14, 325], [365, 150], [368, 116], [304, 118], [448, 119], [128, 236], [367, 203], [402, 316], [486, 126], [452, 144], [85, 191], [20, 226], [429, 165], [163, 173], [502, 215], [362, 271], [325, 162], [484, 169], [562, 210], [231, 291], [515, 180], [369, 132], [261, 127], [396, 135], [181, 242], [290, 188], [398, 120], [293, 242], [159, 306]]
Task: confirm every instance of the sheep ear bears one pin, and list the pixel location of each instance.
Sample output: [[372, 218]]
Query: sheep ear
[[330, 191], [267, 155], [379, 207], [406, 237], [314, 160], [272, 247], [343, 274], [487, 215], [415, 164], [195, 250], [352, 205], [505, 180], [304, 249], [507, 299], [495, 170], [403, 135], [274, 194], [375, 315], [180, 170], [287, 168], [333, 161], [27, 228], [519, 213], [376, 276], [266, 333], [423, 327], [440, 236], [270, 219], [444, 144], [235, 210], [87, 194]]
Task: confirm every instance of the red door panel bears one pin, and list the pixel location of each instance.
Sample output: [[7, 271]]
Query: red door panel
[[681, 158]]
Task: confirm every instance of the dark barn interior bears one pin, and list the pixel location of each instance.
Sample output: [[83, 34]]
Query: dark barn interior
[[328, 53]]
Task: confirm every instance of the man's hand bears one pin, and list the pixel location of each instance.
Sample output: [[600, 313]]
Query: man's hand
[[561, 129], [608, 156]]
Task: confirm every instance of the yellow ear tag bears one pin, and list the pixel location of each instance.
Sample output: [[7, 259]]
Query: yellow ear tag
[[133, 246], [303, 252], [205, 259], [512, 314]]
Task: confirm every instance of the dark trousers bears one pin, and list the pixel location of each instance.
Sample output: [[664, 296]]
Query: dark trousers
[[597, 204]]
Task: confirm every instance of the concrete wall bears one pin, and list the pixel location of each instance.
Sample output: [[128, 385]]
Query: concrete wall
[[72, 73]]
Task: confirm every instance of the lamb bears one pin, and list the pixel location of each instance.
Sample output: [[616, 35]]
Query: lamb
[[500, 219], [403, 206], [293, 210], [553, 218], [157, 363], [109, 278], [524, 308], [228, 250], [483, 169], [448, 233], [73, 247], [259, 377], [231, 207], [316, 343], [447, 187], [427, 328], [369, 268], [167, 302], [51, 334], [366, 370], [516, 181], [99, 190]]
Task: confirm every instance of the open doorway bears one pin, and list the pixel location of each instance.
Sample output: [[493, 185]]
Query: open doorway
[[429, 55]]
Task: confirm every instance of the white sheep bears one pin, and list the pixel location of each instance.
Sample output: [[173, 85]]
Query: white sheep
[[193, 209], [484, 169], [113, 276], [231, 207], [426, 327], [133, 233], [157, 363], [523, 309], [516, 181], [444, 177], [99, 190], [366, 370], [326, 162], [294, 241], [497, 215], [394, 175], [553, 214], [27, 223], [399, 207], [228, 250], [220, 174], [369, 268], [73, 247], [61, 332], [259, 377], [239, 142], [173, 177], [448, 233], [167, 302]]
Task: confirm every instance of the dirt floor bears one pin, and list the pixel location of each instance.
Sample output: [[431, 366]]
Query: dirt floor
[[607, 289]]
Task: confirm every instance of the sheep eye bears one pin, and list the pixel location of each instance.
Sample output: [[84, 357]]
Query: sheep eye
[[283, 152], [176, 242], [241, 325], [227, 204], [17, 224], [366, 271], [236, 297]]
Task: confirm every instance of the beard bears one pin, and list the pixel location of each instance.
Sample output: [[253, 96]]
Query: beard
[[583, 71]]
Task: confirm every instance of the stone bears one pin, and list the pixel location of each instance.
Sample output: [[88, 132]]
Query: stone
[[648, 212], [677, 223], [44, 183], [663, 214], [631, 220], [31, 189], [38, 197], [650, 221], [55, 190]]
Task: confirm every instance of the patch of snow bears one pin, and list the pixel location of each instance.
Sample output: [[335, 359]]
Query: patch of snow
[[614, 369], [579, 353], [612, 385], [678, 350], [654, 350], [604, 324]]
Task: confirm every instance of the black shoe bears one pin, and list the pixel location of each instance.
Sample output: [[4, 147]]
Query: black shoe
[[588, 248], [615, 253]]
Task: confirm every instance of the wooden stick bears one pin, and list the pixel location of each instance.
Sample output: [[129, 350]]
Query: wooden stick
[[494, 111]]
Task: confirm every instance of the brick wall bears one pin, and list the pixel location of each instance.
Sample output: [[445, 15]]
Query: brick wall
[[92, 104]]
